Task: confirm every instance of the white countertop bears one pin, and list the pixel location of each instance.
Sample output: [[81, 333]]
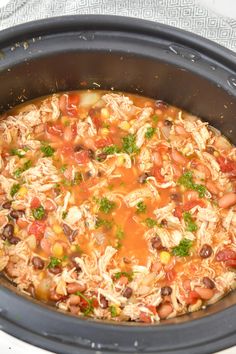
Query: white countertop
[[11, 345]]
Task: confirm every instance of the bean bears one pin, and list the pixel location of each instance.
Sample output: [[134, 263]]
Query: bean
[[166, 291], [206, 251], [103, 302], [210, 150], [55, 270], [208, 283], [156, 243], [16, 214], [38, 263], [6, 205], [178, 157], [73, 287], [176, 197], [102, 156], [161, 104], [78, 148], [14, 240], [164, 310], [69, 232], [142, 178], [227, 200], [180, 130], [212, 187], [91, 154], [127, 292], [74, 299], [168, 123], [55, 296], [8, 231], [157, 159], [204, 293]]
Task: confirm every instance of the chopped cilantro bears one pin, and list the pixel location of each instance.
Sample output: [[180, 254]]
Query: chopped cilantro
[[120, 233], [129, 275], [20, 170], [89, 308], [47, 150], [102, 222], [106, 205], [190, 224], [141, 207], [129, 144], [155, 118], [182, 250], [38, 213], [18, 152], [63, 168], [186, 180], [110, 150], [113, 311], [14, 189], [150, 132], [64, 214], [54, 262], [78, 178], [150, 222]]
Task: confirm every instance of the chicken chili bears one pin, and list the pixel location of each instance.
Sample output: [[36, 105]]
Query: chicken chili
[[116, 206]]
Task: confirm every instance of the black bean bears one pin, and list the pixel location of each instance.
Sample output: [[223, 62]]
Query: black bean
[[91, 154], [166, 291], [127, 292], [103, 302], [161, 104], [38, 263], [14, 240], [102, 156], [55, 270], [164, 222], [16, 214], [168, 123], [8, 231], [142, 178], [206, 251], [6, 205], [78, 148], [156, 243], [208, 283], [210, 150]]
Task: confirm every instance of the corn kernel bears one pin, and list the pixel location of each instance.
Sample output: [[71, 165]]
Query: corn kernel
[[105, 113], [22, 191], [64, 119], [216, 154], [57, 250], [120, 161], [104, 131], [124, 125], [118, 310], [61, 287], [165, 257], [41, 275], [57, 229], [73, 248], [16, 229]]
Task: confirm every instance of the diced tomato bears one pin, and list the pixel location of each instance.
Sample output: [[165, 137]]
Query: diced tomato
[[162, 148], [227, 165], [157, 174], [95, 303], [37, 228], [82, 157], [192, 298], [152, 308], [187, 285], [67, 150], [171, 275], [145, 318], [192, 203], [49, 205], [22, 223], [68, 104], [95, 116], [231, 263], [74, 130], [178, 212], [83, 304], [101, 143], [35, 203], [226, 255], [55, 129]]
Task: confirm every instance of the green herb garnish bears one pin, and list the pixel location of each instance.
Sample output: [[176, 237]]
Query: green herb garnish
[[63, 168], [111, 150], [150, 132], [20, 170], [129, 144], [54, 262], [141, 207], [78, 178], [47, 150], [38, 213], [86, 311], [183, 248], [155, 118], [190, 224], [129, 275], [14, 189], [18, 152], [64, 214], [113, 311], [186, 180], [150, 222], [105, 223], [106, 205]]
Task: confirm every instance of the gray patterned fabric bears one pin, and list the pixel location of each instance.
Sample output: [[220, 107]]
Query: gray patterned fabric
[[186, 14]]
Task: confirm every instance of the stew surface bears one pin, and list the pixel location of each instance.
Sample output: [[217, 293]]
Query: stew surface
[[116, 206]]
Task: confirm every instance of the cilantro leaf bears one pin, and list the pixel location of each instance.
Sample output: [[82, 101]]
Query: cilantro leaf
[[150, 132], [113, 311], [111, 150], [141, 207], [54, 262], [102, 222], [17, 173], [186, 180], [129, 275], [18, 152], [89, 308], [14, 189], [47, 150], [129, 144], [190, 224], [150, 222], [38, 213], [183, 248], [106, 205]]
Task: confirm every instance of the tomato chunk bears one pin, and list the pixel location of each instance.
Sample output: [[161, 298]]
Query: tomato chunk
[[101, 143], [227, 165], [55, 129], [68, 104], [226, 255], [157, 174], [35, 203], [192, 298], [37, 228], [82, 157], [145, 318], [192, 203]]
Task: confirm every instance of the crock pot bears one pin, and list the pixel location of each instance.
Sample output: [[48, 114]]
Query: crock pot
[[107, 52]]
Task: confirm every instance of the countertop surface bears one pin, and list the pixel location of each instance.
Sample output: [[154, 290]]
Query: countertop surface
[[214, 19]]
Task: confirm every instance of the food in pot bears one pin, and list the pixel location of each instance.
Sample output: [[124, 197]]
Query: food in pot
[[116, 206]]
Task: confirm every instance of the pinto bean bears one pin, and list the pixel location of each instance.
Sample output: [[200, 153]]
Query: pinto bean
[[156, 243], [6, 205], [208, 283], [73, 287], [178, 157], [210, 150], [38, 263], [14, 240], [74, 299], [78, 148], [168, 123], [166, 291], [103, 302], [212, 187], [176, 197], [8, 231], [143, 177], [227, 200], [55, 270], [164, 310], [204, 293], [127, 292], [206, 251], [69, 232], [16, 214]]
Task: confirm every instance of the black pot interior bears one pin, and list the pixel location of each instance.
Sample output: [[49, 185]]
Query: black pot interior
[[139, 58]]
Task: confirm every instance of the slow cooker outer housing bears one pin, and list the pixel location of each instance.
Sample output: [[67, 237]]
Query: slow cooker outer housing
[[132, 55]]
